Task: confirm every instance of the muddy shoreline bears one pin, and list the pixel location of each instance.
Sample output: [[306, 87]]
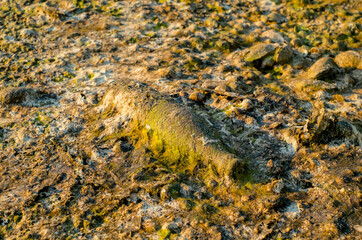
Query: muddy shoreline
[[188, 119]]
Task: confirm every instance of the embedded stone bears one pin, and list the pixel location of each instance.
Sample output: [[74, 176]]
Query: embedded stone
[[257, 52], [349, 59], [323, 68]]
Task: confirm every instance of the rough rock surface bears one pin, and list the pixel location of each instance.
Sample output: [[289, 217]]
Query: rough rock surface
[[235, 123], [349, 59], [273, 35], [258, 52], [323, 68]]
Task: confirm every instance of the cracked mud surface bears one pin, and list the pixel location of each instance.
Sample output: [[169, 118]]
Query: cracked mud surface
[[120, 119]]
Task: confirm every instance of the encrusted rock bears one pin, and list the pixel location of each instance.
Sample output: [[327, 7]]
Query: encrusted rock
[[277, 17], [197, 96], [349, 59], [247, 105], [357, 75], [273, 35], [283, 55], [237, 85], [358, 228], [323, 69], [156, 112], [223, 89], [25, 33], [257, 52]]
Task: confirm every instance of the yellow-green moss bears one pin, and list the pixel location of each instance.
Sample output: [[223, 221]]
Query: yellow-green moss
[[164, 234], [175, 134]]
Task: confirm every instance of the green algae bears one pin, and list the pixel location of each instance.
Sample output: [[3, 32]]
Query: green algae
[[164, 234], [175, 134]]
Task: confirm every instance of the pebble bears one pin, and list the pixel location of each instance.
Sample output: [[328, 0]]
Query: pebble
[[358, 228], [349, 59], [26, 33], [258, 51], [284, 55], [323, 68], [197, 96], [247, 105], [273, 35]]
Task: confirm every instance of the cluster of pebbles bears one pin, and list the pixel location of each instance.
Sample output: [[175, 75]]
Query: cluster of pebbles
[[180, 119]]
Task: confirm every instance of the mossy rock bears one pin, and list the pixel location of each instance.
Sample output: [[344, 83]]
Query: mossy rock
[[258, 52], [178, 133]]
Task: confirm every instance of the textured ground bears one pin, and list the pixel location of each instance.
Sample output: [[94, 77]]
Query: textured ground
[[275, 83]]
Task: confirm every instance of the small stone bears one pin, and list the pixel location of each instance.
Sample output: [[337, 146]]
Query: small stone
[[197, 96], [26, 33], [358, 228], [323, 68], [278, 187], [222, 89], [357, 75], [273, 35], [268, 62], [250, 121], [297, 42], [349, 59], [298, 62], [315, 53], [185, 190], [283, 55], [257, 52], [247, 105], [277, 17]]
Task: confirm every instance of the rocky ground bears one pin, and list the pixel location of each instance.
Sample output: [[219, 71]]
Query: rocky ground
[[183, 119]]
